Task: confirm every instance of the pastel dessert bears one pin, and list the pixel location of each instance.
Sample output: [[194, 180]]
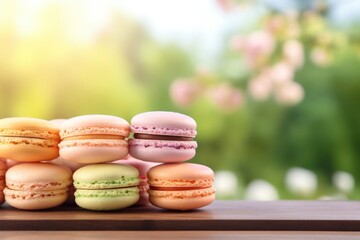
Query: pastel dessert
[[163, 137], [107, 186], [2, 179], [34, 186], [181, 186], [94, 138], [143, 167], [28, 139]]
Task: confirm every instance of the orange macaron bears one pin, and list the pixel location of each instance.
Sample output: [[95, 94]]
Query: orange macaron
[[28, 139], [33, 186], [181, 186]]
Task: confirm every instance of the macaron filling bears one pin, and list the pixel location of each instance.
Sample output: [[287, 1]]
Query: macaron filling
[[108, 184], [162, 144], [161, 137], [94, 136], [37, 134], [163, 131]]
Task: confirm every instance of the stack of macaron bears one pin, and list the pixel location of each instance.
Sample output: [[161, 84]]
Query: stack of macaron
[[107, 170], [31, 183], [168, 138]]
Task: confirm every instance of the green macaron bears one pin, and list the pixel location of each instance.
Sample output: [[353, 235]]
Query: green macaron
[[108, 186]]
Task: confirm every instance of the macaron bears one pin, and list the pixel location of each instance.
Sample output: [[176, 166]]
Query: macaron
[[163, 137], [143, 167], [28, 139], [106, 186], [34, 186], [94, 138], [2, 179], [181, 186]]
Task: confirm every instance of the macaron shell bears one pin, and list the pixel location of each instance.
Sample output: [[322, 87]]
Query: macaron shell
[[28, 149], [105, 200], [94, 124], [164, 123], [38, 177], [105, 176], [35, 200], [23, 123], [182, 200], [181, 175], [162, 151], [93, 150]]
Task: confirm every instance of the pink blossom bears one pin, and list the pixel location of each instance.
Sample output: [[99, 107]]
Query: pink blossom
[[290, 93], [183, 92], [281, 73], [320, 56], [258, 47], [260, 87], [293, 52], [226, 97]]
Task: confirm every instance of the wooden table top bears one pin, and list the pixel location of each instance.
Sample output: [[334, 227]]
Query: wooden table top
[[175, 235], [219, 216]]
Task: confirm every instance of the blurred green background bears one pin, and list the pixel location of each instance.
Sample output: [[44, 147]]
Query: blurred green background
[[273, 85]]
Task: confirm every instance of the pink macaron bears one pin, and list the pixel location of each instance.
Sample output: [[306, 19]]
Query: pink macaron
[[143, 167], [2, 178], [94, 138], [163, 137]]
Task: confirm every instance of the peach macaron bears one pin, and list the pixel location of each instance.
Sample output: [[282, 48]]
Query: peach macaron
[[34, 186], [162, 136], [181, 186], [28, 139], [94, 138]]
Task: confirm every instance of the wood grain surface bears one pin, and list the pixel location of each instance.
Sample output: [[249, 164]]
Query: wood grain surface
[[219, 216], [175, 235]]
